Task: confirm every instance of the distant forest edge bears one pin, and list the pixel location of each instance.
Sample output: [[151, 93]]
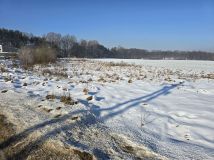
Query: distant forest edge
[[68, 46]]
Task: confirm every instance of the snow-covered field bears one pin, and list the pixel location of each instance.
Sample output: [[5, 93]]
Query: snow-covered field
[[185, 65], [134, 109]]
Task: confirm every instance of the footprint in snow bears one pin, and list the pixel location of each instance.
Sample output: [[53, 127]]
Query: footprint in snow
[[187, 136]]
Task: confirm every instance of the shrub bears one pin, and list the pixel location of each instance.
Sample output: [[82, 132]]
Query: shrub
[[26, 56], [68, 100], [37, 55], [44, 55]]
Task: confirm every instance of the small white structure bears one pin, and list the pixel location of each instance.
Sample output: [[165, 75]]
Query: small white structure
[[1, 49]]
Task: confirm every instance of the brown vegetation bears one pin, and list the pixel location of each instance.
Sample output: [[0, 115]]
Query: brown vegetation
[[57, 73], [130, 81], [114, 64], [49, 149], [57, 116], [47, 110], [58, 108], [50, 97], [85, 91], [68, 100], [89, 98], [37, 55]]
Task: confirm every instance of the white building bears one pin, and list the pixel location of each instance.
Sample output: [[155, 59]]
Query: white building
[[1, 49]]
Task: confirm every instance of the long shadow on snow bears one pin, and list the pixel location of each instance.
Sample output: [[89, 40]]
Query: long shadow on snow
[[91, 118], [96, 110], [33, 146], [88, 120]]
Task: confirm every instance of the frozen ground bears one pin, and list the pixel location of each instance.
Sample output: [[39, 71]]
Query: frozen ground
[[124, 111]]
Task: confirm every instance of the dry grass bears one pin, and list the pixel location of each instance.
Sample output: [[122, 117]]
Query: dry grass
[[137, 150], [85, 91], [81, 71], [68, 100], [208, 76], [49, 149], [101, 79], [58, 108], [57, 116], [74, 118], [50, 97], [47, 71], [89, 98], [129, 81], [30, 56], [6, 129], [56, 72], [47, 110], [116, 64]]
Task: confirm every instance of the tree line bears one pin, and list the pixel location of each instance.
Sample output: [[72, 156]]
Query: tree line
[[119, 52], [13, 40], [69, 46]]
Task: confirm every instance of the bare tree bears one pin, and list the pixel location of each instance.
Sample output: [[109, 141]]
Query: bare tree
[[83, 43], [67, 42], [53, 38]]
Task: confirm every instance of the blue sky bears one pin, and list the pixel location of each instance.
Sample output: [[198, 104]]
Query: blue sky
[[148, 24]]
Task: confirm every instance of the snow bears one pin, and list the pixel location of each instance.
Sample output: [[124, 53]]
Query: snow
[[167, 106], [186, 65]]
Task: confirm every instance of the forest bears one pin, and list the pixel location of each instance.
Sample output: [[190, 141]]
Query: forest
[[69, 46]]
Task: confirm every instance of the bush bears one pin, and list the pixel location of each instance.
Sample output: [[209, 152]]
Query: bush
[[26, 56], [37, 55]]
